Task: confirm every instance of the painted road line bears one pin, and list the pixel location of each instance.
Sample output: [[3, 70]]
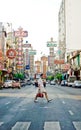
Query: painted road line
[[18, 95], [52, 126], [71, 113], [1, 123], [21, 126], [63, 102], [7, 103], [77, 125]]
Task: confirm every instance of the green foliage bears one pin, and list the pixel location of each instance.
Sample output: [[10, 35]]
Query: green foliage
[[0, 72], [58, 76], [50, 77], [19, 76]]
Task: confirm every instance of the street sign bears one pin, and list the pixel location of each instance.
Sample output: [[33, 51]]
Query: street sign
[[32, 52], [27, 67]]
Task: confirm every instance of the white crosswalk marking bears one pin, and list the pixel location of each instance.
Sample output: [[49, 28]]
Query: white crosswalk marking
[[52, 126], [77, 125], [1, 123], [48, 125], [21, 126]]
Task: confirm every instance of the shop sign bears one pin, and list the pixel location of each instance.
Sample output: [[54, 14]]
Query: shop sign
[[11, 53], [65, 66], [58, 61], [32, 52], [21, 33], [27, 45], [51, 44], [19, 67]]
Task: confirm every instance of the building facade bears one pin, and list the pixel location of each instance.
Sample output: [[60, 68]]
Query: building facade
[[69, 18]]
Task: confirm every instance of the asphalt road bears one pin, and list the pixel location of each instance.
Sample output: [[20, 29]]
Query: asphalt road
[[19, 112]]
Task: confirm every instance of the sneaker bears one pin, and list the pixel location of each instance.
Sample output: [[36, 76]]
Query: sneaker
[[50, 100], [35, 100]]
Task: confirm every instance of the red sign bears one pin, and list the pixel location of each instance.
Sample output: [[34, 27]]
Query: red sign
[[58, 61], [11, 53], [21, 33]]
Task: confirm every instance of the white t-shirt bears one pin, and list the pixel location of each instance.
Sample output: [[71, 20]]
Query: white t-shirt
[[41, 86]]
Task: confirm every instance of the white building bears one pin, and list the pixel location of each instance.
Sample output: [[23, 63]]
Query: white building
[[69, 26]]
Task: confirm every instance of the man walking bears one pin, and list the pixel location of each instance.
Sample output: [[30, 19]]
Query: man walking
[[42, 89]]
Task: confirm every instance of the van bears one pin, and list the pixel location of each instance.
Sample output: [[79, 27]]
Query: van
[[71, 80]]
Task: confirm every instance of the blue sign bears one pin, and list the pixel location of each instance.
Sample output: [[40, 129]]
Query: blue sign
[[27, 67]]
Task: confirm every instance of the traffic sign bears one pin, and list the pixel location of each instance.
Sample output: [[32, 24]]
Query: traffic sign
[[27, 67]]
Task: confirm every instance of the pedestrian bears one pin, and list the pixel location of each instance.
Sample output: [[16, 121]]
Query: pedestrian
[[36, 83], [42, 89], [44, 83]]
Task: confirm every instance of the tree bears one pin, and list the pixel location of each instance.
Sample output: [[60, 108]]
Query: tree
[[19, 76], [58, 76]]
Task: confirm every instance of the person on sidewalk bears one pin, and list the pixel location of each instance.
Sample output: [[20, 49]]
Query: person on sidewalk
[[42, 89]]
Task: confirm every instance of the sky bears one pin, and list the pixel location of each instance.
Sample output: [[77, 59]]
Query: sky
[[38, 17]]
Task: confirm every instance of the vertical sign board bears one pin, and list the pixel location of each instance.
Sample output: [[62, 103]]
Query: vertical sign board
[[20, 34]]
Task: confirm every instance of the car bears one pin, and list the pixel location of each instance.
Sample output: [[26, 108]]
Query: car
[[16, 84], [71, 80], [64, 83], [77, 84], [28, 82], [7, 84], [23, 83], [52, 82]]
